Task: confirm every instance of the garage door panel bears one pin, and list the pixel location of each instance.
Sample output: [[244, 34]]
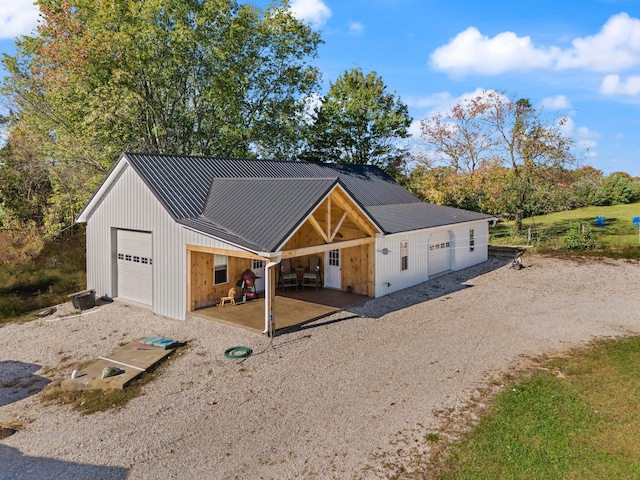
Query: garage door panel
[[439, 253], [135, 266]]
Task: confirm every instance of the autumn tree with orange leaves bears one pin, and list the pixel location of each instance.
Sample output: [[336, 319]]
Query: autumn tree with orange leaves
[[491, 133]]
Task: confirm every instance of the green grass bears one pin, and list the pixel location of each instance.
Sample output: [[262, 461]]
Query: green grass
[[618, 238], [43, 280], [91, 401], [581, 424]]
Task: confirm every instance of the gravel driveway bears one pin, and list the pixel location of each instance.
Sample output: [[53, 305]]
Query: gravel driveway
[[336, 399]]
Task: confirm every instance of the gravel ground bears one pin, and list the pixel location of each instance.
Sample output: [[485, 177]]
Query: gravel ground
[[337, 399]]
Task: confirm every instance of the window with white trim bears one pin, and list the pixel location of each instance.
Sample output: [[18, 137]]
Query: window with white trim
[[220, 269], [404, 256]]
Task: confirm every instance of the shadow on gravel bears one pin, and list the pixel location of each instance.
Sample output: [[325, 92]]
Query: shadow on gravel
[[16, 465], [434, 288], [18, 382], [325, 323]]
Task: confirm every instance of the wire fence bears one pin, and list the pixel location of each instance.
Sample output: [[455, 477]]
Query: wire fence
[[553, 235]]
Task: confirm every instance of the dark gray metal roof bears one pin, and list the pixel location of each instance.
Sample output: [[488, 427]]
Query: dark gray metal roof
[[264, 211], [181, 183], [415, 216], [258, 203]]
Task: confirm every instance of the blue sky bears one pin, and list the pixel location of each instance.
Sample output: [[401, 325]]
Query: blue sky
[[577, 59]]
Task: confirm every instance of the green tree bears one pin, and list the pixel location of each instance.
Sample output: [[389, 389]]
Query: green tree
[[616, 189], [209, 77], [24, 179], [359, 122]]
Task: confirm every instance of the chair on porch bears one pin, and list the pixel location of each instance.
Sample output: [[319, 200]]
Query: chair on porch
[[311, 277], [288, 276]]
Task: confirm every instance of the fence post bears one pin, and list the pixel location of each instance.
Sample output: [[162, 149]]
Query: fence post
[[529, 235]]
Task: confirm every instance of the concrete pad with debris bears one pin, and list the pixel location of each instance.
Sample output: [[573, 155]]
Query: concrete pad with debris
[[134, 359]]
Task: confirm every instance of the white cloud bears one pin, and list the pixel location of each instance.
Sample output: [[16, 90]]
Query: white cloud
[[559, 102], [314, 11], [587, 140], [356, 28], [615, 47], [415, 129], [612, 85], [585, 133], [567, 126], [17, 17], [471, 52], [437, 100]]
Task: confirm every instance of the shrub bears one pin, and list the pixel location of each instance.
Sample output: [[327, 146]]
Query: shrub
[[579, 237]]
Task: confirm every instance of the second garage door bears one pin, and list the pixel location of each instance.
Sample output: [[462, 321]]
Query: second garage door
[[439, 253], [135, 266]]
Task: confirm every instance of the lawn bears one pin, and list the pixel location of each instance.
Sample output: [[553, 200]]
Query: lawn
[[618, 237], [576, 418]]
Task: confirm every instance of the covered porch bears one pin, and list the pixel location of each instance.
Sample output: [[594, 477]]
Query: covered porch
[[337, 237], [291, 309]]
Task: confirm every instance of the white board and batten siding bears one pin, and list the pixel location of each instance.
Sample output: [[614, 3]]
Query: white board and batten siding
[[424, 258]]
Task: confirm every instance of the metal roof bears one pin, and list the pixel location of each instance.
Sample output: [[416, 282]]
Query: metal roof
[[264, 211], [256, 204], [415, 216], [182, 182]]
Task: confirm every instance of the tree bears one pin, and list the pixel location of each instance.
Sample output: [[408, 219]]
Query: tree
[[463, 134], [359, 122], [492, 128], [24, 178], [208, 77], [616, 189]]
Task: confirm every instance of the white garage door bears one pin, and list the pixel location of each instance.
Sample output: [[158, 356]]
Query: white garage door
[[135, 265], [439, 253]]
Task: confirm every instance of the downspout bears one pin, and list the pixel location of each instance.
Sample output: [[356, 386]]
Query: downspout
[[267, 291]]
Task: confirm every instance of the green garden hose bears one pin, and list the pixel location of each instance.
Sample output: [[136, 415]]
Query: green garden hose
[[246, 352], [238, 352]]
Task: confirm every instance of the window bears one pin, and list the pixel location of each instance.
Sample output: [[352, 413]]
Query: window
[[220, 269], [334, 258], [404, 256], [257, 264], [472, 242]]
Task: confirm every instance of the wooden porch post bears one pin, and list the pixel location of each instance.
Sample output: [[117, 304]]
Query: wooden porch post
[[371, 270]]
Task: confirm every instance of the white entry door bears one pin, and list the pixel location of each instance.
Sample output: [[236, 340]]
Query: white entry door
[[135, 266], [332, 269], [257, 267]]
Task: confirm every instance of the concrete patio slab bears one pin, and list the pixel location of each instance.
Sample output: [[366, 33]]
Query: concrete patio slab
[[288, 313]]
